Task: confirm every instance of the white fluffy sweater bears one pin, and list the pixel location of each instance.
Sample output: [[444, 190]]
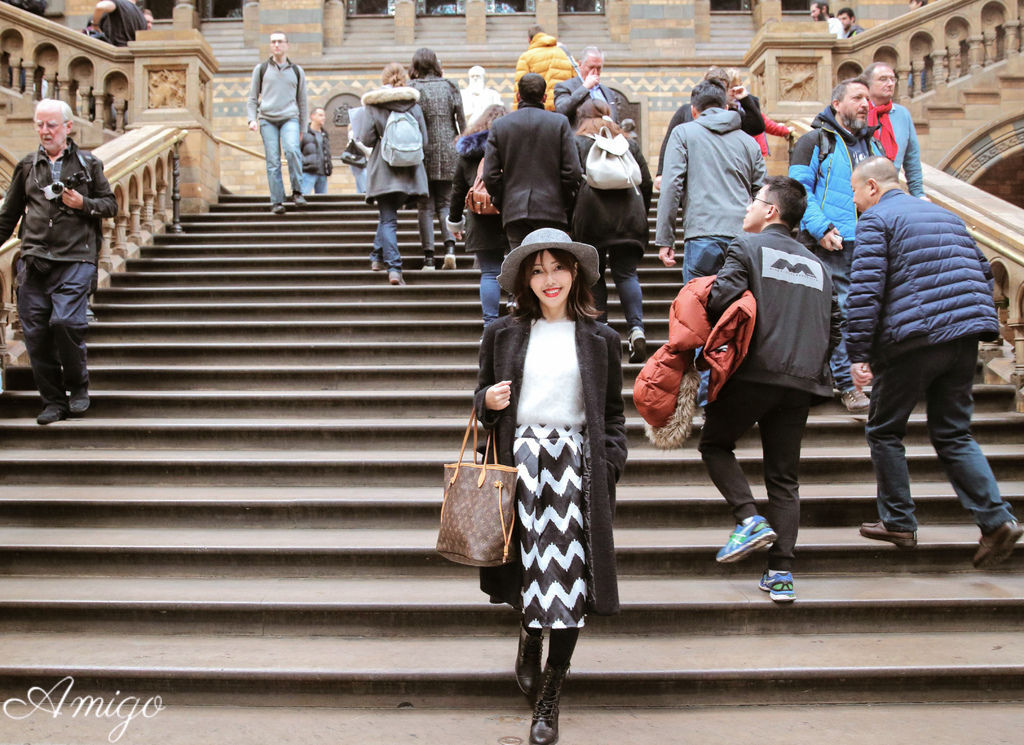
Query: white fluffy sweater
[[552, 391]]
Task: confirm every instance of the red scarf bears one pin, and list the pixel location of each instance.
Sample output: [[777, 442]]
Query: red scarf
[[879, 115]]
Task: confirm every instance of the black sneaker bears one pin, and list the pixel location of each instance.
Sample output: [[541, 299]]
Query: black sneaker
[[52, 413], [278, 209], [79, 403]]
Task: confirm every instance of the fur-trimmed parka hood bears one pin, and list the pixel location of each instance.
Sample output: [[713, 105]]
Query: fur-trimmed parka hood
[[400, 98], [472, 144]]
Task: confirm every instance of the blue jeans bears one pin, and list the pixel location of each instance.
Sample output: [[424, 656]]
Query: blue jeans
[[52, 309], [359, 174], [941, 375], [490, 292], [704, 255], [276, 137], [314, 184], [623, 266], [385, 242], [838, 264]]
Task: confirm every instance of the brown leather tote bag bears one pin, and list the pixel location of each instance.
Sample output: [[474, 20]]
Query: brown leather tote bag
[[478, 512]]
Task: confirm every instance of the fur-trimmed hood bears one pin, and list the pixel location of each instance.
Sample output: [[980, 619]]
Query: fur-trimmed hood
[[400, 98], [473, 144]]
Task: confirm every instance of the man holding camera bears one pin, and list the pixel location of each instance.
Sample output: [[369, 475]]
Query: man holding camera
[[60, 195]]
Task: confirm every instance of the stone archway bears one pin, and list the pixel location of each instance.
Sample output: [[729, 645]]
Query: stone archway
[[993, 159]]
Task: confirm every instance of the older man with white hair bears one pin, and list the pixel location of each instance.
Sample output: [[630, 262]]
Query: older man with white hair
[[60, 195], [477, 97], [570, 94]]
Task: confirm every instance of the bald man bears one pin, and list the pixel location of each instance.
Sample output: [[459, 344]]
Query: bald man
[[920, 301]]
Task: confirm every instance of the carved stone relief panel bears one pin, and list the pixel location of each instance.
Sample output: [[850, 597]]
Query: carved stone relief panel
[[167, 89], [797, 81]]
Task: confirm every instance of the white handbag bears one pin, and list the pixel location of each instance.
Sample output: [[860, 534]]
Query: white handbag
[[610, 165]]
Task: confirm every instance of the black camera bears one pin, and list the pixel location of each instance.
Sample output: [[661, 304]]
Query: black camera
[[54, 190]]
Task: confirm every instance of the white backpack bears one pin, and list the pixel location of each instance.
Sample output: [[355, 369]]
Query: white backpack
[[610, 165], [402, 144]]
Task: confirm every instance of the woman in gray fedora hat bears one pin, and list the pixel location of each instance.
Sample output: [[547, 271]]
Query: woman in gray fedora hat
[[550, 387]]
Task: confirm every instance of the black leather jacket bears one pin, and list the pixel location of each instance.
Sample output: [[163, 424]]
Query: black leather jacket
[[49, 229]]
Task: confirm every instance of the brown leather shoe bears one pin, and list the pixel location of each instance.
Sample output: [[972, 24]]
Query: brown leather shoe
[[878, 531], [996, 547]]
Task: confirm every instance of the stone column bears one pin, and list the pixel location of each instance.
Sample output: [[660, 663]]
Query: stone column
[[547, 16], [476, 22], [940, 69], [765, 12], [702, 20], [975, 53], [903, 86], [990, 47], [173, 75], [1012, 37], [334, 23], [617, 13], [186, 15], [251, 23], [405, 22]]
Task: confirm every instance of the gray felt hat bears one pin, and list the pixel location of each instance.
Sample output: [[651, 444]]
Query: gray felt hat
[[544, 238]]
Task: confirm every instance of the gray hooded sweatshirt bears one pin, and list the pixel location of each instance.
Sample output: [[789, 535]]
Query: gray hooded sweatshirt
[[712, 170]]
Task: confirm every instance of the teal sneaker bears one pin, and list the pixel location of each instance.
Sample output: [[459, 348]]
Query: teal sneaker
[[779, 587], [745, 539]]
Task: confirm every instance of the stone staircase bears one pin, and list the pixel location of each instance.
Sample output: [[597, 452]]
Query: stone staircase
[[244, 525]]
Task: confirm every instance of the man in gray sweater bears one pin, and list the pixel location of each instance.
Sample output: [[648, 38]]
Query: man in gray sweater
[[277, 107], [712, 171]]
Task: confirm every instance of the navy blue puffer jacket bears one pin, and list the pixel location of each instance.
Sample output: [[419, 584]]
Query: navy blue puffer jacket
[[918, 279]]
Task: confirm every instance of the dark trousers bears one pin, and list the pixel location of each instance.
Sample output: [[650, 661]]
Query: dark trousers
[[516, 230], [780, 414], [52, 308], [942, 375], [434, 205]]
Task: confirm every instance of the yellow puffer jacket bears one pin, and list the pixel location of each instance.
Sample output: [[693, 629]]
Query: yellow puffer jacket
[[545, 58]]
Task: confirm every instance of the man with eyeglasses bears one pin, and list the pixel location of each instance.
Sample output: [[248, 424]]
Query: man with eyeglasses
[[277, 108], [785, 371], [895, 132], [60, 195]]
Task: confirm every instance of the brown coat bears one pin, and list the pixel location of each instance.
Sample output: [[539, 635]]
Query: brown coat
[[599, 349]]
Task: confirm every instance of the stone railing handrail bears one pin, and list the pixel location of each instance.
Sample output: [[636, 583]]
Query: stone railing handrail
[[240, 148], [142, 168], [55, 32]]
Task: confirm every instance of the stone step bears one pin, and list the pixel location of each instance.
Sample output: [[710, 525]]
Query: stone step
[[676, 506], [388, 552], [412, 310], [210, 467], [240, 393], [850, 724], [212, 669], [402, 434], [412, 266], [454, 607]]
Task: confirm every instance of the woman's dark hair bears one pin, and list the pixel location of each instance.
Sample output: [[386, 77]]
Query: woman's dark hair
[[589, 118], [424, 64], [484, 121], [581, 299]]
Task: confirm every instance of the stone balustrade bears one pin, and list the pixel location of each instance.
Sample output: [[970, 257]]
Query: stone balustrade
[[144, 173], [794, 66], [41, 59]]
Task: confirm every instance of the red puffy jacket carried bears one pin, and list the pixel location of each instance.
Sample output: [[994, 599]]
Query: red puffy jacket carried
[[656, 392]]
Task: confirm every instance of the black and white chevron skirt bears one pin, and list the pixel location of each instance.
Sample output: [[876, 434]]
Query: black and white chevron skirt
[[549, 461]]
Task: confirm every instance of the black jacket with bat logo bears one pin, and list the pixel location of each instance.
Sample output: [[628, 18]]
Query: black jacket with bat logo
[[798, 320]]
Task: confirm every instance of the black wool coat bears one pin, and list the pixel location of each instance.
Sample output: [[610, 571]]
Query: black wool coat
[[599, 350], [531, 167], [613, 219]]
